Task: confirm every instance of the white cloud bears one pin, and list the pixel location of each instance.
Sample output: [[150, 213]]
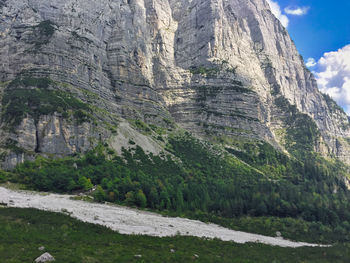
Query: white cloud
[[311, 62], [333, 76], [276, 10], [297, 11]]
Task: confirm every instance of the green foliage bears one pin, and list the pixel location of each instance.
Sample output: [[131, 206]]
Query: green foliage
[[302, 132], [49, 175], [142, 126], [42, 33], [264, 157], [13, 147], [276, 90], [290, 228], [46, 28], [81, 38], [130, 198], [208, 72], [231, 69], [41, 83], [35, 97], [214, 70], [211, 72], [140, 199], [332, 105], [168, 122], [4, 176], [99, 194], [85, 183], [267, 184], [69, 240], [159, 130], [82, 115]]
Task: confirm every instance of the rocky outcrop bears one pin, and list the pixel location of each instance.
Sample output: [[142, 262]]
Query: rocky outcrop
[[46, 257], [217, 68]]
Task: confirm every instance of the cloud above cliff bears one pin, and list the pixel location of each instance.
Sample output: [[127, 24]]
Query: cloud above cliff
[[289, 10], [311, 62], [276, 10], [333, 76], [296, 11]]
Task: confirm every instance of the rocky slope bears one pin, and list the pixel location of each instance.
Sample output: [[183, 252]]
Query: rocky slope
[[225, 70], [134, 222]]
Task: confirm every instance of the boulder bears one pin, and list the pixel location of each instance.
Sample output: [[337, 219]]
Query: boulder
[[46, 257]]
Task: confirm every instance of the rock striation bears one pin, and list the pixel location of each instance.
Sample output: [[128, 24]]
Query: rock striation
[[222, 69]]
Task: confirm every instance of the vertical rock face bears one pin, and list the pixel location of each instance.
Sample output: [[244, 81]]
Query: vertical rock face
[[218, 68]]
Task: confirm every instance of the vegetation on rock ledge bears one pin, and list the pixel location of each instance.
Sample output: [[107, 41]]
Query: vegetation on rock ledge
[[36, 97], [302, 132]]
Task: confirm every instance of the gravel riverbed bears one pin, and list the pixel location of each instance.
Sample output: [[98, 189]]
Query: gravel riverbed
[[132, 221]]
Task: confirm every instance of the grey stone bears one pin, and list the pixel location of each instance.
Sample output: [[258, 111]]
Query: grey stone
[[46, 257], [211, 66]]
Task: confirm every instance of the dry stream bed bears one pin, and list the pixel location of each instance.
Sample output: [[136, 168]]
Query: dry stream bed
[[132, 221]]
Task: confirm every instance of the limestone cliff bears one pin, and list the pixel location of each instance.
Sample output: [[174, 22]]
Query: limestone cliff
[[223, 69]]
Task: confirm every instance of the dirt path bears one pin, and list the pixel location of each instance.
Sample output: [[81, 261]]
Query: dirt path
[[131, 221]]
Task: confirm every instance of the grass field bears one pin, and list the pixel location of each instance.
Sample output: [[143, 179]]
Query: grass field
[[23, 231]]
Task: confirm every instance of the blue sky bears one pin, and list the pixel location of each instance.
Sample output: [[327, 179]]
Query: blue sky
[[325, 27], [321, 32]]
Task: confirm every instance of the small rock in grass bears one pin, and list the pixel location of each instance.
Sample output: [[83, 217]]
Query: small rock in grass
[[196, 256], [138, 256], [172, 250], [41, 248], [46, 257]]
